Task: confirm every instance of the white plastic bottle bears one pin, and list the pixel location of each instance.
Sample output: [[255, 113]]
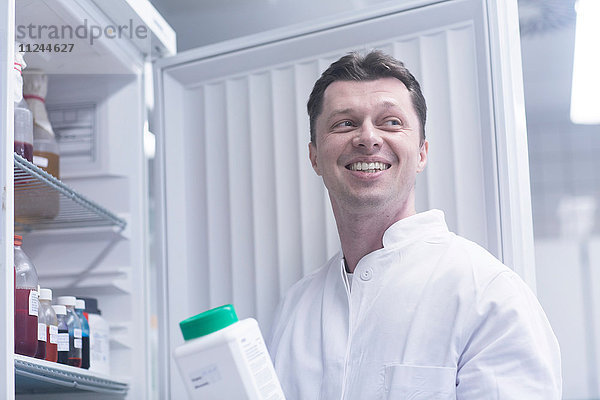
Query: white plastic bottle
[[224, 358], [99, 337]]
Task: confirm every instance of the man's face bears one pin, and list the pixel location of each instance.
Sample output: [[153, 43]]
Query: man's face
[[368, 150]]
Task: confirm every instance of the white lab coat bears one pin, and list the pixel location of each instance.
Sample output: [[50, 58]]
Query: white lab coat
[[430, 316]]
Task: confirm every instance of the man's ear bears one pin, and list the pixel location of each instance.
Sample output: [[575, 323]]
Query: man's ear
[[423, 156], [312, 155]]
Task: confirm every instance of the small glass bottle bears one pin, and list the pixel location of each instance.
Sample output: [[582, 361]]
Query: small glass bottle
[[85, 334], [42, 330], [26, 302], [75, 343], [51, 324], [63, 334]]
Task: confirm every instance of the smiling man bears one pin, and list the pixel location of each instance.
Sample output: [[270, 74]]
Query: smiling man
[[406, 309]]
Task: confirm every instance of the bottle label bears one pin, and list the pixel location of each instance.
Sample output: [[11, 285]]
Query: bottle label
[[257, 358], [207, 375], [53, 334], [77, 343], [63, 341], [40, 161], [42, 332], [33, 303], [77, 333]]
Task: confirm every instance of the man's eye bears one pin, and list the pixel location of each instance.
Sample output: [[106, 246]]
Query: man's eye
[[344, 124], [392, 122]]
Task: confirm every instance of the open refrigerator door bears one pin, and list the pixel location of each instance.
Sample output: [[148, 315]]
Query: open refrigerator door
[[94, 243]]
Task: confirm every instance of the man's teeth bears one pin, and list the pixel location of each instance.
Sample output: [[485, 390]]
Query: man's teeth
[[368, 167]]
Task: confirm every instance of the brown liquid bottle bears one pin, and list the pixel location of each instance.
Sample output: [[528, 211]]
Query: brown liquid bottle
[[26, 302], [45, 148]]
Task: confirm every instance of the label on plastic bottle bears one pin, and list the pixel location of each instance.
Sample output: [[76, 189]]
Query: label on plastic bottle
[[33, 303], [53, 334], [40, 161], [257, 357], [41, 332], [77, 343], [77, 333], [63, 341]]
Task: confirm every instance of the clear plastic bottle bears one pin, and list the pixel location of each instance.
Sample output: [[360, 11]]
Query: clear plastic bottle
[[51, 323], [75, 343], [85, 334], [45, 146], [23, 123], [26, 302], [23, 132], [63, 334]]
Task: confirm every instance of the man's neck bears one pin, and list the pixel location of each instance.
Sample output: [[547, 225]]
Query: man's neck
[[362, 233]]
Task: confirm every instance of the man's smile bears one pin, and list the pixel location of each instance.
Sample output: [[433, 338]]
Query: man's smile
[[368, 166]]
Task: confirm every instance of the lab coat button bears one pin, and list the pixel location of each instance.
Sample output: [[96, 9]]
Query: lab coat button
[[366, 275]]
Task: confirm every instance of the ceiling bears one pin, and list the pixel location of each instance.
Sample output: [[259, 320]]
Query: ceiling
[[547, 36]]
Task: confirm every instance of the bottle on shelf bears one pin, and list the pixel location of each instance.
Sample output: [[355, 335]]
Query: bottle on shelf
[[39, 203], [51, 325], [42, 335], [99, 337], [85, 334], [26, 302], [45, 146], [74, 325], [63, 334], [23, 119]]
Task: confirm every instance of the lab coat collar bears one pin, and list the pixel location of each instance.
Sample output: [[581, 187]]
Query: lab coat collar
[[416, 227], [429, 226]]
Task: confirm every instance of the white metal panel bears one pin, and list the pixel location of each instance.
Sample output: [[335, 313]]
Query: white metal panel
[[513, 161], [246, 112], [7, 47]]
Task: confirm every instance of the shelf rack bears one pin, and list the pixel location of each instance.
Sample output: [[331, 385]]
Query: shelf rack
[[35, 193], [39, 376]]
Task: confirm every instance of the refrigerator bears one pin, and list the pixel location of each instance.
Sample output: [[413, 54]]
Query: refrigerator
[[185, 180]]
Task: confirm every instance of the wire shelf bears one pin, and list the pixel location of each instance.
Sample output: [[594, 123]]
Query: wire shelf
[[39, 376], [44, 202]]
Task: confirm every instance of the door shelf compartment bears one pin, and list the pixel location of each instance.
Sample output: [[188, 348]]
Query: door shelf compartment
[[39, 376], [34, 186]]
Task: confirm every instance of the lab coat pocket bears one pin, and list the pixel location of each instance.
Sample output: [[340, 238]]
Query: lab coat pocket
[[411, 382]]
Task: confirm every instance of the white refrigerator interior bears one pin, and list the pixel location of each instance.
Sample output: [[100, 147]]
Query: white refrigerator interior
[[239, 214]]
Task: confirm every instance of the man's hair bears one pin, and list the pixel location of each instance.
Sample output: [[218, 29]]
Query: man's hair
[[372, 66]]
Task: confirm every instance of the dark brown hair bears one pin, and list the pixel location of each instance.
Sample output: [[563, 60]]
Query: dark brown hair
[[372, 66]]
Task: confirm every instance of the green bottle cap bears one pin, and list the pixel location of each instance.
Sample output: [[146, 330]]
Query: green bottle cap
[[208, 322]]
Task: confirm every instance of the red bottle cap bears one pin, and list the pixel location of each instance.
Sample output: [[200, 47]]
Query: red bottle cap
[[18, 240]]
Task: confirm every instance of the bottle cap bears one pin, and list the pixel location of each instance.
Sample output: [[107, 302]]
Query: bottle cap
[[208, 322], [18, 240], [66, 301], [91, 305], [79, 304], [45, 294], [60, 310]]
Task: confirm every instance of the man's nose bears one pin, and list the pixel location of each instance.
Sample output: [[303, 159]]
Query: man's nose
[[368, 137]]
